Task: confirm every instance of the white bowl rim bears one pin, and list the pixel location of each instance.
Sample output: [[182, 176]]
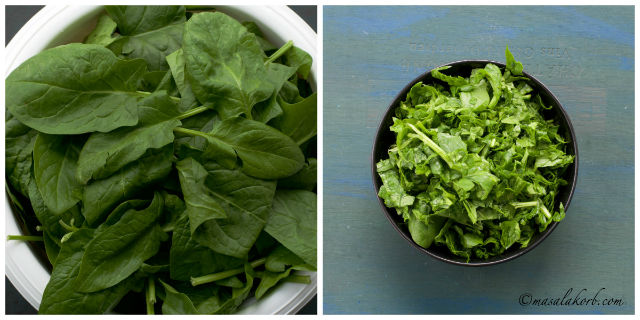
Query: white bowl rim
[[22, 267]]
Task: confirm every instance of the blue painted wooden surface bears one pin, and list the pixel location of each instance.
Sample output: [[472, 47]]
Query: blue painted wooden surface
[[586, 57]]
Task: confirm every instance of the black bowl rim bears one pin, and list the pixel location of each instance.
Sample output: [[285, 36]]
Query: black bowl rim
[[521, 251]]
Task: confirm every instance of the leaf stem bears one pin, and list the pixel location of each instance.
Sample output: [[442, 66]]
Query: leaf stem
[[24, 238], [190, 132], [151, 295], [192, 112], [146, 93], [70, 228], [280, 52], [195, 281], [518, 205], [434, 146]]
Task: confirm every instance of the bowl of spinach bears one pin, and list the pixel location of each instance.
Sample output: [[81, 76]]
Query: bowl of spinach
[[162, 159], [475, 162]]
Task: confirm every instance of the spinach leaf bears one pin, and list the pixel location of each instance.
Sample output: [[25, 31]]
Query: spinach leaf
[[246, 202], [176, 302], [201, 203], [19, 140], [118, 250], [55, 159], [226, 69], [279, 265], [105, 153], [100, 196], [265, 152], [102, 34], [148, 32], [292, 221], [50, 222], [177, 65], [264, 43], [298, 120], [188, 258], [60, 296], [305, 179], [300, 60], [73, 89]]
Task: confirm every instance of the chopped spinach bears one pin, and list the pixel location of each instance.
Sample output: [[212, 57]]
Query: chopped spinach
[[475, 167], [152, 156]]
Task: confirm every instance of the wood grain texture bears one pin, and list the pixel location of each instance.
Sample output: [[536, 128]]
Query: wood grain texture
[[585, 55]]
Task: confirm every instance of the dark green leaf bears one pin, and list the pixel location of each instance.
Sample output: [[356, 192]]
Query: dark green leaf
[[106, 153], [117, 251], [54, 92], [55, 159], [101, 196], [265, 152], [226, 68], [292, 221]]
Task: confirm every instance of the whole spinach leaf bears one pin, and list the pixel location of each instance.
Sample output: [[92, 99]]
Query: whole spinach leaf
[[74, 89], [226, 69]]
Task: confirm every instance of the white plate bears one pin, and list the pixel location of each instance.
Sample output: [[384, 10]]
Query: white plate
[[55, 25]]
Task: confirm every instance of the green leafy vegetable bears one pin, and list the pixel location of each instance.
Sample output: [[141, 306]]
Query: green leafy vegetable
[[153, 169], [101, 35], [75, 88], [148, 32], [475, 166], [55, 159], [226, 69], [292, 221]]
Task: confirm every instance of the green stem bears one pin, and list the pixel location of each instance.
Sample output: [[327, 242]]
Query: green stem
[[545, 211], [25, 238], [151, 295], [191, 132], [224, 274], [192, 112], [518, 205], [70, 228], [298, 279], [146, 93], [280, 52], [432, 145]]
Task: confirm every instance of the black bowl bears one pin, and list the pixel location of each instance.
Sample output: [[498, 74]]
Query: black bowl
[[385, 138]]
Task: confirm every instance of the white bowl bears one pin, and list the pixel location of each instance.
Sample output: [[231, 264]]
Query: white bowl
[[56, 25]]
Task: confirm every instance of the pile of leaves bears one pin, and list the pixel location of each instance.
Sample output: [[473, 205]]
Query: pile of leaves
[[172, 155], [475, 166]]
